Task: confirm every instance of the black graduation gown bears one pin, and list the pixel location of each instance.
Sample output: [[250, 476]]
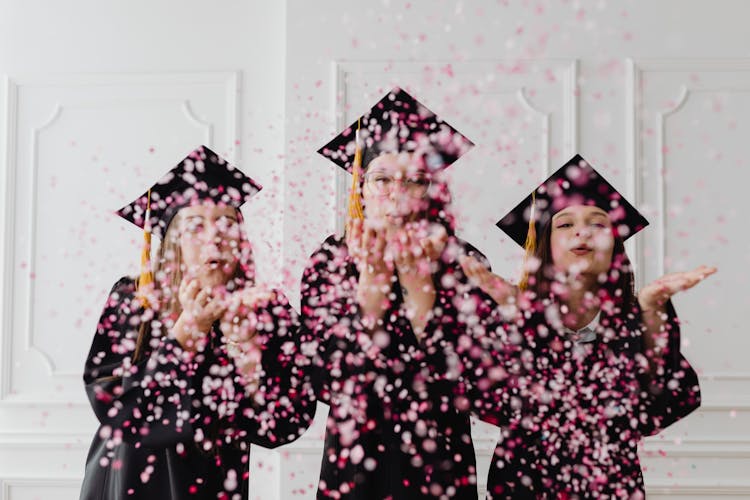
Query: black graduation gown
[[394, 429], [574, 414], [176, 426]]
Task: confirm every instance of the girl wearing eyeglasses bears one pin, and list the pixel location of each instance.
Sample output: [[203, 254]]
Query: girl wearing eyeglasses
[[382, 310]]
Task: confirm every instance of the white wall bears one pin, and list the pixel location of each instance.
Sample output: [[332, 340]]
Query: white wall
[[98, 99]]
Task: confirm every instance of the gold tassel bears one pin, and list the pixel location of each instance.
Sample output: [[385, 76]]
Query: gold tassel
[[146, 279], [530, 245], [355, 200]]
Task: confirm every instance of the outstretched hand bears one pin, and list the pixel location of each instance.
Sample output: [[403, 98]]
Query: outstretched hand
[[656, 294], [501, 290]]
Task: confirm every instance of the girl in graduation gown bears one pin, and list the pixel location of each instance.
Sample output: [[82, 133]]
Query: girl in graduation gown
[[590, 368], [188, 369], [382, 313]]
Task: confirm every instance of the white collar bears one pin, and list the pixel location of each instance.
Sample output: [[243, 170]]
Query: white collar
[[585, 334]]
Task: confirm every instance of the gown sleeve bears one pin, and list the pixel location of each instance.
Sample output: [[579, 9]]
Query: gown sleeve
[[336, 346], [147, 402], [282, 406], [485, 356], [673, 392]]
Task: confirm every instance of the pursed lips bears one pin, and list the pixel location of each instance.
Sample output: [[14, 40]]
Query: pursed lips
[[581, 250]]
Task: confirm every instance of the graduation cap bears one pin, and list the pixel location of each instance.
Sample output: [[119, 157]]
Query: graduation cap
[[575, 183], [396, 123], [201, 175]]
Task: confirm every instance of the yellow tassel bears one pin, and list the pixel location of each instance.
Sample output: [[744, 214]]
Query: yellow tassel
[[355, 200], [530, 245], [146, 279]]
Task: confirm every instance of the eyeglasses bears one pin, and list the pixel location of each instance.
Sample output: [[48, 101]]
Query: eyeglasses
[[381, 184]]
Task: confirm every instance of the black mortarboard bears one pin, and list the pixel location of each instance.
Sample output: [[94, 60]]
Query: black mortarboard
[[575, 183], [398, 123], [202, 175]]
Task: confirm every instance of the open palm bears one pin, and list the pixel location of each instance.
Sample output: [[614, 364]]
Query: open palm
[[490, 283], [655, 294]]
